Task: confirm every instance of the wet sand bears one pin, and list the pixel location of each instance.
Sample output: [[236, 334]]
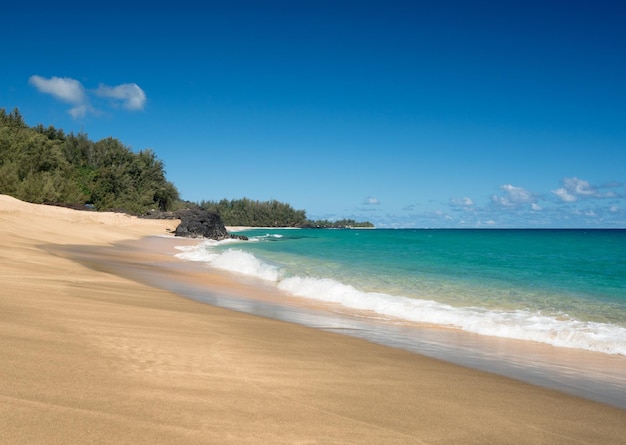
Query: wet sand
[[90, 356], [151, 260]]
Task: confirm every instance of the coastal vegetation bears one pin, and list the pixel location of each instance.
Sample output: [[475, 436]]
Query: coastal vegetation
[[340, 224], [45, 165], [247, 212]]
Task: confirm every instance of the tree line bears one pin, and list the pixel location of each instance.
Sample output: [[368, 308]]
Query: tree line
[[251, 213], [247, 212], [45, 165], [339, 224]]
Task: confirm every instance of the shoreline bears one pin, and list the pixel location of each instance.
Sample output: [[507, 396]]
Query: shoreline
[[92, 356], [592, 375]]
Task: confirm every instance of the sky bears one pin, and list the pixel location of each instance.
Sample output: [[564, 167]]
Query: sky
[[426, 114]]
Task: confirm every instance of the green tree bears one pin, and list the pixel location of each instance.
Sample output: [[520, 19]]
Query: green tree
[[246, 212], [43, 164]]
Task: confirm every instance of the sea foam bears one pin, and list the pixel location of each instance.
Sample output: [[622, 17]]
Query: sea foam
[[234, 260], [561, 331]]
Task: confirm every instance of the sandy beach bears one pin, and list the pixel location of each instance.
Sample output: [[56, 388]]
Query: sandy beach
[[93, 357]]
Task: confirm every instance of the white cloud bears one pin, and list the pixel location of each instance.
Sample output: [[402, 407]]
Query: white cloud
[[500, 201], [578, 186], [370, 200], [463, 202], [564, 195], [575, 188], [79, 111], [576, 204], [513, 196], [517, 194], [71, 91], [65, 89], [131, 95]]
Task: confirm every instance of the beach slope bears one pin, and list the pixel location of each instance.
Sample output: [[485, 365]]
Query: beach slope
[[90, 357]]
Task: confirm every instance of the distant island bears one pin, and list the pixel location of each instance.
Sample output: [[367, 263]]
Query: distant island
[[44, 165]]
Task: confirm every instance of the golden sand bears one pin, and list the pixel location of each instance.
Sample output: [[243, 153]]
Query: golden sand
[[91, 357]]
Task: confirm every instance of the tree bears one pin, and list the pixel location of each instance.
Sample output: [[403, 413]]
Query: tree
[[246, 212], [43, 164], [166, 196]]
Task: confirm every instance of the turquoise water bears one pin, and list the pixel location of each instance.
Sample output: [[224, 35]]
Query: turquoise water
[[566, 288]]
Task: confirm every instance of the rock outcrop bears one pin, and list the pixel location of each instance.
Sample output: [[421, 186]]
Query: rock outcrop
[[198, 223]]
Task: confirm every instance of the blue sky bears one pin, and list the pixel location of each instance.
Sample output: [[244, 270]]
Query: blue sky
[[406, 114]]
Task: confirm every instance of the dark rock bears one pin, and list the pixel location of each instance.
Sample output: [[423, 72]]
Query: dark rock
[[239, 237], [198, 223]]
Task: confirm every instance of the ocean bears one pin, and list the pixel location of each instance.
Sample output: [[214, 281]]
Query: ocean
[[544, 306], [547, 307], [565, 288]]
